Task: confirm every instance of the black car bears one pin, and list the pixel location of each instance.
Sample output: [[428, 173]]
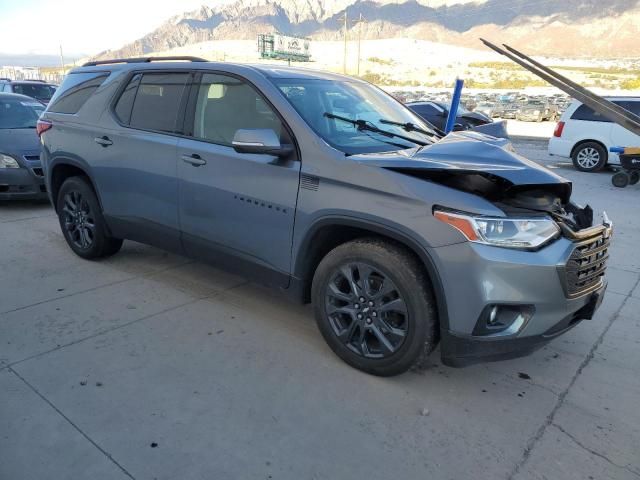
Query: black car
[[436, 113], [21, 175], [38, 89]]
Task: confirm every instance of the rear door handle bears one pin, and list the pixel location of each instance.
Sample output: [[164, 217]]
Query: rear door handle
[[194, 159], [104, 141]]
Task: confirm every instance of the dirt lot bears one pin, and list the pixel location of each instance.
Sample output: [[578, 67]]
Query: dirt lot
[[153, 366]]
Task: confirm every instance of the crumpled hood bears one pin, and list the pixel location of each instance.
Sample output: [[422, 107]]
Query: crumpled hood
[[23, 141], [469, 152]]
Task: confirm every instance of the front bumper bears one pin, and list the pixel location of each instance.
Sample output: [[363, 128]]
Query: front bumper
[[22, 184], [464, 350], [475, 277]]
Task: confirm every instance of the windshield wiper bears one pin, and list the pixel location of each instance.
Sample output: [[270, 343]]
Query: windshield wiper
[[364, 125], [412, 127]]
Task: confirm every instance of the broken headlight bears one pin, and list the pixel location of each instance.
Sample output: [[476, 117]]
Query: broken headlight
[[523, 233]]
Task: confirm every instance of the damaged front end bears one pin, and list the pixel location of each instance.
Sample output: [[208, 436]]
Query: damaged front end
[[490, 168]]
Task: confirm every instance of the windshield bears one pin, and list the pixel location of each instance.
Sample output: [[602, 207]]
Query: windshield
[[34, 90], [325, 104], [19, 113]]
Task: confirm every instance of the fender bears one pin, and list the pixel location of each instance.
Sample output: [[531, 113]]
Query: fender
[[384, 230], [68, 158]]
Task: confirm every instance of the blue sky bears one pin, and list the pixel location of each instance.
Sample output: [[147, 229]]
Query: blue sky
[[82, 26]]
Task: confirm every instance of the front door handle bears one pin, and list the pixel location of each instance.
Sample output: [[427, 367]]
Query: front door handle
[[194, 159], [104, 141]]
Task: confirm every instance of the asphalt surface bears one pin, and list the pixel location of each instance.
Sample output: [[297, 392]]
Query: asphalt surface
[[152, 366]]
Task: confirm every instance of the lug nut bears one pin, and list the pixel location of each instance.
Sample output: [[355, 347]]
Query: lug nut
[[356, 306], [368, 320], [374, 314], [362, 299], [370, 303], [359, 316]]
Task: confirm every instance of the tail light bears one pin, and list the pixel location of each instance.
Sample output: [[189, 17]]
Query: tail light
[[42, 126], [559, 129]]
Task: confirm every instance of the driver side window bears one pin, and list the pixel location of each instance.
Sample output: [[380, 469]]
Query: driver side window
[[226, 104]]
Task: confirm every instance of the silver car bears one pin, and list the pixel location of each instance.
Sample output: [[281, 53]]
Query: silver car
[[329, 189]]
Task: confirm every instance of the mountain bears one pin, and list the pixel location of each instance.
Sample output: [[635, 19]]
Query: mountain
[[567, 28]]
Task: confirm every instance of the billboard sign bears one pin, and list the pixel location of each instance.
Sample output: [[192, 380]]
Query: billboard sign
[[285, 45]]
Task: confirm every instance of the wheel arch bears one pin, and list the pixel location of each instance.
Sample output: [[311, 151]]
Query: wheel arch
[[328, 233], [63, 168]]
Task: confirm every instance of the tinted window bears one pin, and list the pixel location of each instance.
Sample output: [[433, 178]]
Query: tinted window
[[125, 102], [18, 113], [157, 101], [42, 92], [633, 107], [75, 91], [586, 113], [225, 105]]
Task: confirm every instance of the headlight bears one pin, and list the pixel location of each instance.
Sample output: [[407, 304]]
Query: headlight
[[8, 162], [522, 233]]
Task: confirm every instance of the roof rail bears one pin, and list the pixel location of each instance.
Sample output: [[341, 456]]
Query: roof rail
[[144, 60]]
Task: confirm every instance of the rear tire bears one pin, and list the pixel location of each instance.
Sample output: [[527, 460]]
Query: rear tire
[[634, 177], [374, 306], [589, 157], [81, 220]]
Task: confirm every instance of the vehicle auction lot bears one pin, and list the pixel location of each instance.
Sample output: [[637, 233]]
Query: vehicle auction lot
[[149, 365]]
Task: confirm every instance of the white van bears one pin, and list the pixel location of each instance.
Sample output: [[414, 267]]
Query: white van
[[586, 136]]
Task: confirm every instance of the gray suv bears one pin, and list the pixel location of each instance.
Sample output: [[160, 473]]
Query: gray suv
[[329, 189]]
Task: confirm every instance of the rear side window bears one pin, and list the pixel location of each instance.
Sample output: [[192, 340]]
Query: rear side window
[[586, 113], [633, 107], [75, 91], [124, 106], [152, 101]]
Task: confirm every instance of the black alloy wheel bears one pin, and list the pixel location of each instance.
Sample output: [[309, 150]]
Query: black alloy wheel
[[78, 220], [366, 311]]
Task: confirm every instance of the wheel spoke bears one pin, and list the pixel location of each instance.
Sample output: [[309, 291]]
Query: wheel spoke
[[394, 333], [347, 272], [334, 292], [364, 274], [386, 288], [383, 340], [346, 335], [396, 305]]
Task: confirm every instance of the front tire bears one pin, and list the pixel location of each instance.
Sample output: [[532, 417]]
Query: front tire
[[374, 306], [81, 220], [589, 157]]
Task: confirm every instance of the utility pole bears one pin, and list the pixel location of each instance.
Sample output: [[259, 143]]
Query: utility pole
[[359, 22], [344, 59], [61, 60]]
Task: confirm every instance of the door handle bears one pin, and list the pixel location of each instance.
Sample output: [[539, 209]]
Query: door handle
[[194, 159], [104, 141]]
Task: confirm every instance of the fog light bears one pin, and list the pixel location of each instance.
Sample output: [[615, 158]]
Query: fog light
[[503, 320]]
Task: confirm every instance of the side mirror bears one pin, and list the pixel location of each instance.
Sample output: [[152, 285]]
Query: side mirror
[[259, 141]]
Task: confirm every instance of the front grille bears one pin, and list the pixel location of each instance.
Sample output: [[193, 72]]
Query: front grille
[[586, 266]]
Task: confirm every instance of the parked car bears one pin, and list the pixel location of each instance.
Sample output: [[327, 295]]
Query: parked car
[[586, 136], [21, 174], [331, 190], [537, 111], [38, 89], [436, 113], [488, 109]]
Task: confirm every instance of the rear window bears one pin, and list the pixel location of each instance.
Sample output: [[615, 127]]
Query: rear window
[[152, 101], [75, 91], [42, 92], [19, 113]]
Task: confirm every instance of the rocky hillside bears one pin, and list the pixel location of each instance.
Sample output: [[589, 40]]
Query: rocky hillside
[[574, 28]]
